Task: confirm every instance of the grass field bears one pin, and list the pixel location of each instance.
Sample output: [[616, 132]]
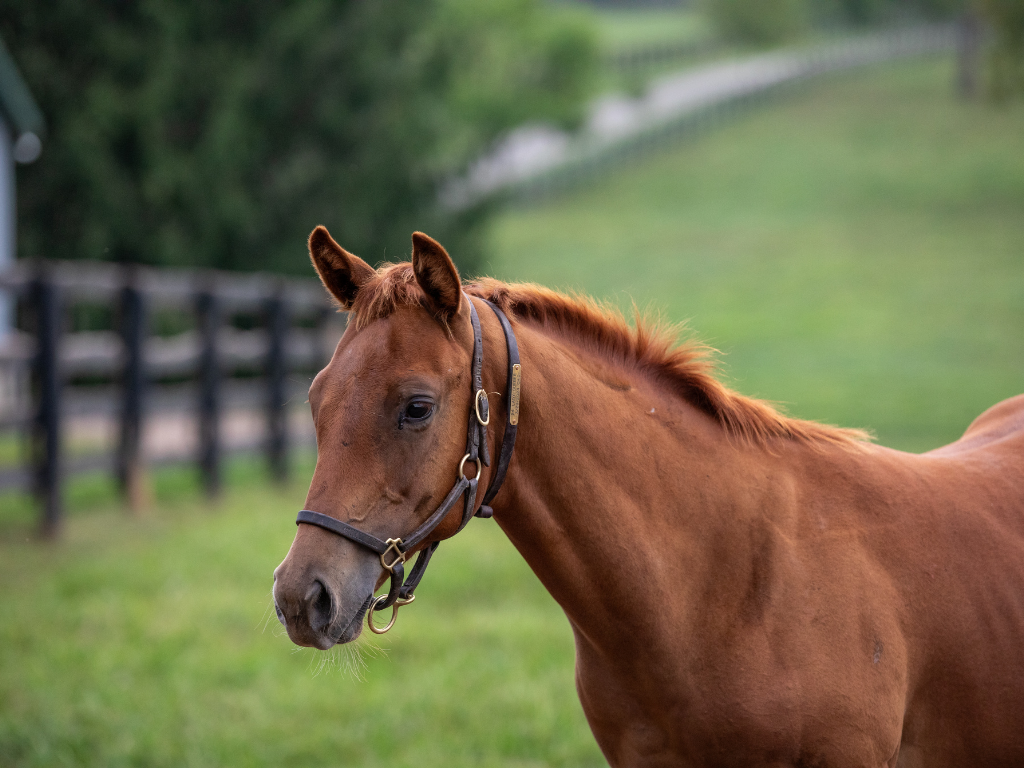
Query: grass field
[[151, 642], [857, 252], [622, 29]]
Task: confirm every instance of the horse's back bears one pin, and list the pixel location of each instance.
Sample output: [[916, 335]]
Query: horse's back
[[981, 475], [1000, 427]]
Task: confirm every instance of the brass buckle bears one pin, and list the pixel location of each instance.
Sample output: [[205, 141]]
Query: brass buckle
[[393, 547], [462, 467], [476, 407]]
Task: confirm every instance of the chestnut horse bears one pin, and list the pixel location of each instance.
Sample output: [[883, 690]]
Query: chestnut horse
[[745, 589]]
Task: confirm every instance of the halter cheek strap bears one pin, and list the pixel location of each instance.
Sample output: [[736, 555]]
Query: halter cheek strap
[[513, 383], [393, 552]]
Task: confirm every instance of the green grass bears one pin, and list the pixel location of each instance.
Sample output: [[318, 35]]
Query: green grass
[[98, 492], [857, 252], [13, 449], [151, 642], [621, 29]]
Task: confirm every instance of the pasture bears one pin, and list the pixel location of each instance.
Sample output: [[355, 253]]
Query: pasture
[[856, 253], [151, 642], [622, 29]]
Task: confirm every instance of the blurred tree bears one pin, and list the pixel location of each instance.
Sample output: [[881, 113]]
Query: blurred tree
[[767, 22], [867, 12], [1007, 63], [861, 12], [761, 22], [219, 133]]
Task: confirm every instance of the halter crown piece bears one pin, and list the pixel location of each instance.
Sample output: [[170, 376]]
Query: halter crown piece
[[393, 552]]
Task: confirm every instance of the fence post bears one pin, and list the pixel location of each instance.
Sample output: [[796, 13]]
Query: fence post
[[277, 379], [134, 322], [209, 320], [47, 434]]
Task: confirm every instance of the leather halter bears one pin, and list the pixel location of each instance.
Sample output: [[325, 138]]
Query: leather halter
[[393, 552]]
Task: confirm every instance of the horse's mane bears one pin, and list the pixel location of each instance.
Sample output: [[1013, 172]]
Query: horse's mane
[[650, 347]]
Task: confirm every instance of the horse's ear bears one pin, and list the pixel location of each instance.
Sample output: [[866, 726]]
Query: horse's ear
[[341, 273], [437, 276]]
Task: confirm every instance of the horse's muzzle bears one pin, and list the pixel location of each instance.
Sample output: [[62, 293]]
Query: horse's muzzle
[[312, 613]]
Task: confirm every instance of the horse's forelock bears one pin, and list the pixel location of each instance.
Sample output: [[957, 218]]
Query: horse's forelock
[[392, 287]]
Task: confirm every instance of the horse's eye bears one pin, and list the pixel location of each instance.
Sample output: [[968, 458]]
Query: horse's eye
[[418, 410]]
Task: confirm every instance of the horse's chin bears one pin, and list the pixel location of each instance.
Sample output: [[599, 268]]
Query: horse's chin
[[354, 628], [350, 633]]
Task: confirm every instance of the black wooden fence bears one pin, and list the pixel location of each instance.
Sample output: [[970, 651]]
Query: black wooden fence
[[129, 373]]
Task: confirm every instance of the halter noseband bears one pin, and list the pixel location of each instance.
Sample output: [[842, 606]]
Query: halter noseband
[[393, 552]]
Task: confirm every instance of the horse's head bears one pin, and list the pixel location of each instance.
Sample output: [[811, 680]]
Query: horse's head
[[391, 412]]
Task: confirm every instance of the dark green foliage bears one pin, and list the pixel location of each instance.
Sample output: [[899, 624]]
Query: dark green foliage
[[761, 22], [765, 22], [1007, 67], [866, 12], [859, 12], [218, 134]]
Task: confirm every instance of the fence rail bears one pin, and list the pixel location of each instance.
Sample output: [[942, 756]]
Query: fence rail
[[657, 54], [210, 388], [105, 280]]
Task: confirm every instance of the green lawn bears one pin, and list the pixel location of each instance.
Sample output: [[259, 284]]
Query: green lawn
[[622, 29], [857, 252], [151, 642]]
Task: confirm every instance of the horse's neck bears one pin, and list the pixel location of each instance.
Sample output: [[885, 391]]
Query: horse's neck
[[622, 496]]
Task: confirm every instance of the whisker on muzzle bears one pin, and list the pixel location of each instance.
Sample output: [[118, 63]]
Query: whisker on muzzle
[[349, 659], [269, 612]]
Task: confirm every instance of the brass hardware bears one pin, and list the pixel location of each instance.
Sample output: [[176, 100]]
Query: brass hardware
[[462, 467], [513, 410], [373, 607], [476, 407], [393, 547], [399, 602]]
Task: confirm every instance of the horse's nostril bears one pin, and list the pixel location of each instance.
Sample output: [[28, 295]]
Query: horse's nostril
[[280, 614], [318, 600]]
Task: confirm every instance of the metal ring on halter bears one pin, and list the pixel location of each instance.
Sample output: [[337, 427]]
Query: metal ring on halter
[[476, 406], [373, 606], [462, 467]]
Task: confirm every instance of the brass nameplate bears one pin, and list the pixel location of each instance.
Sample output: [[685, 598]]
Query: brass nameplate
[[513, 407]]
